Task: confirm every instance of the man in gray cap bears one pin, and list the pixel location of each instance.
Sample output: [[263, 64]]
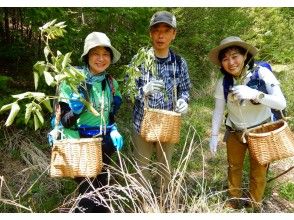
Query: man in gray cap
[[172, 75]]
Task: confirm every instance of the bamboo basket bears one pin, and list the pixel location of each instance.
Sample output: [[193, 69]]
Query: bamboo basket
[[161, 125], [271, 141], [76, 158]]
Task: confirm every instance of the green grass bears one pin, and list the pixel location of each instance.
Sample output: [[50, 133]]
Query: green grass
[[286, 191]]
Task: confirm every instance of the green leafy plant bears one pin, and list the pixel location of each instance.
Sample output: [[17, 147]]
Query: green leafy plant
[[287, 191], [144, 57], [56, 69]]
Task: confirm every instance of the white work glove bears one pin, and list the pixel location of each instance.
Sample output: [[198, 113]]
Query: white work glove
[[153, 86], [181, 106], [213, 144], [244, 92]]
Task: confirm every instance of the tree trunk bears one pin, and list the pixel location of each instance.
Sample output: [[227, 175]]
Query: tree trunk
[[6, 26]]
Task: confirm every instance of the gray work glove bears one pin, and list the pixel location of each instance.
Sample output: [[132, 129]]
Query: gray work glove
[[181, 106], [153, 86]]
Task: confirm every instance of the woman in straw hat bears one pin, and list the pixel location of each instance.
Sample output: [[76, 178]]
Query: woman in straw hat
[[101, 90], [246, 107]]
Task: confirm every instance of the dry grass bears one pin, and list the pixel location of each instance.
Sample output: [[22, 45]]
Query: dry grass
[[127, 189], [191, 190]]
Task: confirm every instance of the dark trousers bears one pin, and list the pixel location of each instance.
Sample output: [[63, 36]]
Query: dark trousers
[[94, 204]]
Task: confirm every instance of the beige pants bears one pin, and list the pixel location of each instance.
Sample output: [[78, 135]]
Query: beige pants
[[236, 151], [143, 151]]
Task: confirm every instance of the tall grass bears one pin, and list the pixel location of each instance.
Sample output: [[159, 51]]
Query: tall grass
[[129, 191]]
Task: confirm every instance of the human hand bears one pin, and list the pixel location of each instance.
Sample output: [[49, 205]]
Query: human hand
[[116, 138], [181, 106], [242, 92], [75, 104], [153, 86], [213, 144]]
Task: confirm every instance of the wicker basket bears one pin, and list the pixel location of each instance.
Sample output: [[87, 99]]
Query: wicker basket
[[76, 158], [161, 125], [271, 141]]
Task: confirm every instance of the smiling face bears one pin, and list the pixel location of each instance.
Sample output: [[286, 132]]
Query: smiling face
[[232, 61], [99, 59], [162, 35]]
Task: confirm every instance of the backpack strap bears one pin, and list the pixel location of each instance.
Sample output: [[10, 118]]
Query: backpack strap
[[228, 83], [110, 82], [179, 61]]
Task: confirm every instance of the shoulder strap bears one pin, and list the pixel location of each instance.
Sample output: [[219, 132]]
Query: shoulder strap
[[228, 82], [110, 82], [179, 61]]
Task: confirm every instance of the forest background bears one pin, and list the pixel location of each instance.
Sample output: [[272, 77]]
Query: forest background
[[25, 153]]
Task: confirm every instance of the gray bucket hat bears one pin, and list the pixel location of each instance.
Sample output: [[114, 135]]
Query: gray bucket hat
[[228, 42], [164, 17], [99, 39]]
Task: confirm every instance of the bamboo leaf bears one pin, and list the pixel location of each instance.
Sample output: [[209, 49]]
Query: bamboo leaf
[[46, 51], [28, 112], [36, 80], [13, 112], [49, 78], [36, 122], [37, 95], [40, 116], [66, 60], [6, 107], [59, 78], [22, 95], [60, 24]]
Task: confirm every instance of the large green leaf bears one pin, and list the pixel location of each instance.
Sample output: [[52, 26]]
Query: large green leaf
[[21, 96], [28, 112], [49, 78], [66, 60], [36, 79], [13, 112], [40, 116], [6, 107], [46, 52], [36, 122]]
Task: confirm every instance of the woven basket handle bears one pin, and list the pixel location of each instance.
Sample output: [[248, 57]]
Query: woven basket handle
[[283, 116], [56, 153]]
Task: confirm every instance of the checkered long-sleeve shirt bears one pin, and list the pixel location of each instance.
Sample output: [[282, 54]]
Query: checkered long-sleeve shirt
[[173, 70]]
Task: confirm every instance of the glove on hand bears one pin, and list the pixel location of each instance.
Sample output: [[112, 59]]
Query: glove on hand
[[213, 144], [244, 92], [75, 104], [181, 106], [116, 138], [153, 86]]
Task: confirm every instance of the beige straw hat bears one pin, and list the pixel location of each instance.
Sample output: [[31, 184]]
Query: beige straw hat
[[227, 42]]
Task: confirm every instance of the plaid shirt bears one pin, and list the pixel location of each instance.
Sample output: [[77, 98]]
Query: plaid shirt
[[170, 70]]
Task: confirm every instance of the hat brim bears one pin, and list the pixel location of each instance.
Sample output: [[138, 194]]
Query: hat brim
[[213, 54], [116, 54], [157, 22]]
